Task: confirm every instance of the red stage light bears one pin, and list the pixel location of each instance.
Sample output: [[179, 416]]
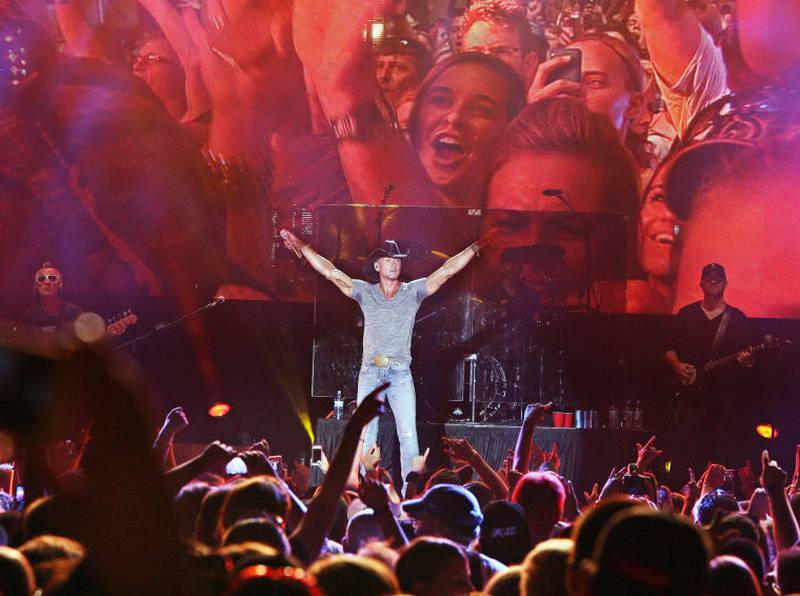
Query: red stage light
[[219, 409], [767, 431]]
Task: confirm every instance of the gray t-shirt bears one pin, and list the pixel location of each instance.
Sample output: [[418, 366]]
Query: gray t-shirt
[[388, 324]]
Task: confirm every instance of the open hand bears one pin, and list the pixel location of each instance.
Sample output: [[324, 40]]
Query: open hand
[[459, 450], [611, 487]]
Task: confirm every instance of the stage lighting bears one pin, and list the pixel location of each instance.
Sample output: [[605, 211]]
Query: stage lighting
[[219, 409], [767, 431]]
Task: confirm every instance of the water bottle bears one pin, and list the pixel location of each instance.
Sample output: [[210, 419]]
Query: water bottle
[[638, 416], [613, 417], [627, 416], [338, 406]]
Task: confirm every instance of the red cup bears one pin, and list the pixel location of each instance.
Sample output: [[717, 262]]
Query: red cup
[[569, 419], [558, 419]]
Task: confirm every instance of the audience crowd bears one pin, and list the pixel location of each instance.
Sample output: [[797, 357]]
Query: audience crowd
[[114, 514], [110, 115]]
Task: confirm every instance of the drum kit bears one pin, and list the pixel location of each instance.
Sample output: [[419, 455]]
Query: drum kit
[[513, 353]]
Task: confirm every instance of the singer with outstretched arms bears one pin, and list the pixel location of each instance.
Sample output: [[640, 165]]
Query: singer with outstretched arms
[[390, 307]]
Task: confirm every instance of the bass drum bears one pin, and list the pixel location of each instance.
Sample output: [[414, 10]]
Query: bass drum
[[490, 379]]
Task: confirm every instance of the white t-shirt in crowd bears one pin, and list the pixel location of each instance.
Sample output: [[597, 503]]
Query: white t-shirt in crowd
[[704, 81]]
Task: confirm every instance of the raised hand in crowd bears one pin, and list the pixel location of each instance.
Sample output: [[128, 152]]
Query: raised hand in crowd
[[537, 456], [213, 459], [747, 478], [758, 508], [420, 462], [572, 508], [590, 498], [460, 451], [257, 463], [372, 458], [175, 421], [376, 496], [316, 524], [646, 454], [664, 500], [551, 460], [541, 89], [611, 486], [713, 478], [691, 493], [300, 476], [773, 480], [793, 487], [534, 416]]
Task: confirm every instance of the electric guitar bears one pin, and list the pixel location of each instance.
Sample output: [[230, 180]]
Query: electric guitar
[[701, 372], [118, 324]]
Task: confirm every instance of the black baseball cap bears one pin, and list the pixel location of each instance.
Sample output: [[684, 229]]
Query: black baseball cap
[[450, 502], [713, 270]]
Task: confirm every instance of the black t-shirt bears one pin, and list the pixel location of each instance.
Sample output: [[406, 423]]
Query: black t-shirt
[[37, 317], [693, 334]]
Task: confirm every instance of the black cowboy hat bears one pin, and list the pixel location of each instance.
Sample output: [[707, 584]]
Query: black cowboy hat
[[388, 248]]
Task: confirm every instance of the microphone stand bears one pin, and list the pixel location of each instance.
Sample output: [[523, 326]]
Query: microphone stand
[[589, 287], [164, 325]]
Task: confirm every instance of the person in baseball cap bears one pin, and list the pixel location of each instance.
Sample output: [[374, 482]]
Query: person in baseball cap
[[451, 511], [714, 270]]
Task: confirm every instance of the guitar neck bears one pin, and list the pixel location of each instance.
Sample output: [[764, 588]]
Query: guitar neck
[[731, 358]]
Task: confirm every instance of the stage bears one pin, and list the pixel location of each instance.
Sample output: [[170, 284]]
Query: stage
[[586, 455]]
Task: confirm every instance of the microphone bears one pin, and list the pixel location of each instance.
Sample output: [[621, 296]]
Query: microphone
[[552, 192], [285, 237]]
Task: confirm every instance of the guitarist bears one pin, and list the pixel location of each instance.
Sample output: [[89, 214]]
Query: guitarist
[[51, 311], [710, 412]]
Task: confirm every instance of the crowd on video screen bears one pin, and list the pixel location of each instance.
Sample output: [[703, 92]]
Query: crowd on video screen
[[157, 148]]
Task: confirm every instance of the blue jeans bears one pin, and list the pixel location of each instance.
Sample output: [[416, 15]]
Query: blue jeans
[[403, 401]]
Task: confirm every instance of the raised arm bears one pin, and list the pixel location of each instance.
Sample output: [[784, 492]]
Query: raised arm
[[320, 264], [317, 522], [534, 414], [460, 450], [456, 263], [337, 62], [672, 34], [784, 524]]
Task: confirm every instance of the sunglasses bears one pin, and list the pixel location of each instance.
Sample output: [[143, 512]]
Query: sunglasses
[[51, 278]]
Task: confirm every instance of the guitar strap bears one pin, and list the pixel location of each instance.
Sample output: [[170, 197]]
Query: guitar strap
[[721, 330]]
